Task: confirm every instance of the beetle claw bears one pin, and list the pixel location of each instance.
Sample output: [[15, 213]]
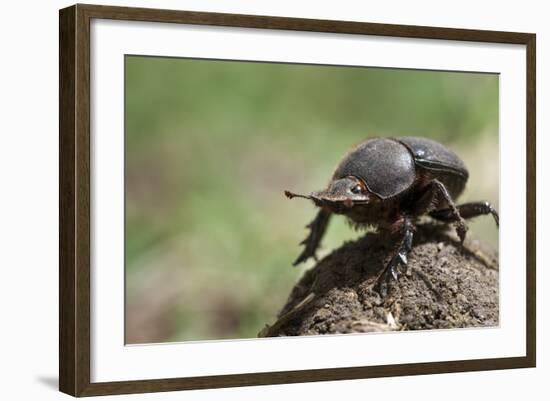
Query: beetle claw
[[403, 258], [394, 273], [461, 230]]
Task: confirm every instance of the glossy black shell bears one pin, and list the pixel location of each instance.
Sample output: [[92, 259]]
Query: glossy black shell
[[390, 166]]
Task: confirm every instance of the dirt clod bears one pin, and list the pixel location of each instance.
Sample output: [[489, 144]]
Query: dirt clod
[[445, 286]]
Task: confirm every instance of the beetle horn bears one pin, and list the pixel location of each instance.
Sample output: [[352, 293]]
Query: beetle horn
[[291, 195]]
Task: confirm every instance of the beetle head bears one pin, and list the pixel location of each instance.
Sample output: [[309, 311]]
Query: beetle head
[[341, 194]]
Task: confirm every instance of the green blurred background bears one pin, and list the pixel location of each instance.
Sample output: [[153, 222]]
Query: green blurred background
[[210, 147]]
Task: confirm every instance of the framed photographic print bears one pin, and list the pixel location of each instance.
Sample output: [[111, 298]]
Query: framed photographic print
[[408, 153]]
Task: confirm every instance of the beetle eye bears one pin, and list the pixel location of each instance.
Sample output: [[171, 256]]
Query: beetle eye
[[357, 189]]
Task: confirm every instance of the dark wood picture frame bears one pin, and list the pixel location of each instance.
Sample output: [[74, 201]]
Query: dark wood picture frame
[[74, 200]]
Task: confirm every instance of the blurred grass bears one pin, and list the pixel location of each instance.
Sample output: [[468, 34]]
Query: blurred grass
[[211, 145]]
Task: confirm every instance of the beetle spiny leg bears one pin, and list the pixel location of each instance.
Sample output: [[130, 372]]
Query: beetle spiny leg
[[467, 211], [400, 257], [311, 243]]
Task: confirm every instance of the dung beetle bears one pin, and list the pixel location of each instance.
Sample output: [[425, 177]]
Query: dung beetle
[[389, 183]]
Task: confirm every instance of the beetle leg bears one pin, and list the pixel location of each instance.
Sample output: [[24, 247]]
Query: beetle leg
[[467, 211], [317, 228], [437, 192], [399, 258]]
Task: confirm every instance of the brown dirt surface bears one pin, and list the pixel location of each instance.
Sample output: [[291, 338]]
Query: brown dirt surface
[[446, 285]]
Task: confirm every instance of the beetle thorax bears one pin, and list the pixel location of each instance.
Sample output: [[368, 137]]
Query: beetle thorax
[[385, 165]]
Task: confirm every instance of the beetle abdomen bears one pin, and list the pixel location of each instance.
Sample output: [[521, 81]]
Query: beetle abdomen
[[385, 165]]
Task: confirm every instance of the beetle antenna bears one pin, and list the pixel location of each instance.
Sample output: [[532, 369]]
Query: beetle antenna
[[291, 195]]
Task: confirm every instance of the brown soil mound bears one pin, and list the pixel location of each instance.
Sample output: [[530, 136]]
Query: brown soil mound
[[445, 286]]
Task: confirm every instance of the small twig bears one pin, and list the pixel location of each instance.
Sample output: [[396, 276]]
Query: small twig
[[268, 330], [428, 283]]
